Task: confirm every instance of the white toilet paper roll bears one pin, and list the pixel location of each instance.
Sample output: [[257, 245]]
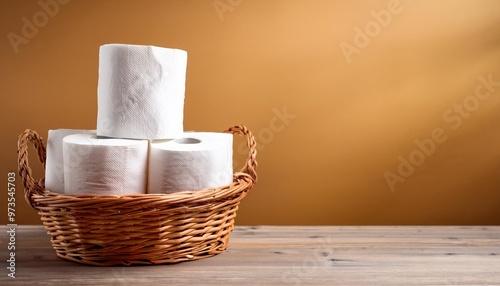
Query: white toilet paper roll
[[141, 92], [197, 161], [54, 168], [104, 166]]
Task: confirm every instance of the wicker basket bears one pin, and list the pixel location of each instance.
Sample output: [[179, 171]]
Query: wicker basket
[[137, 229]]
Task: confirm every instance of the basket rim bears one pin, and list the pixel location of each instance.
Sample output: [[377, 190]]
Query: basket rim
[[242, 183]]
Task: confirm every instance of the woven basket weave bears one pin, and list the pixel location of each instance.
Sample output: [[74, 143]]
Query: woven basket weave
[[137, 229]]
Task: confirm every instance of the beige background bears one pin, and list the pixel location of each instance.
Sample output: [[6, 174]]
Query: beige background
[[354, 114]]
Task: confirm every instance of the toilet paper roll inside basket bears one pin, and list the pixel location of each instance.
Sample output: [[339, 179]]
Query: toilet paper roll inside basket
[[141, 91], [104, 166], [54, 166], [199, 160]]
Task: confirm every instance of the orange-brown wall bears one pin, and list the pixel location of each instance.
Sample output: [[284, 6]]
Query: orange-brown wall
[[337, 93]]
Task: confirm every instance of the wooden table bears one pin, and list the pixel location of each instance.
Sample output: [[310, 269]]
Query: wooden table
[[298, 255]]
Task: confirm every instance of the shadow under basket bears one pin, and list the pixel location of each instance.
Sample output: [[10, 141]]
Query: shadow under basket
[[137, 229]]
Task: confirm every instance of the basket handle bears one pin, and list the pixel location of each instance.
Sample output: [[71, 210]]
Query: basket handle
[[31, 186], [251, 163]]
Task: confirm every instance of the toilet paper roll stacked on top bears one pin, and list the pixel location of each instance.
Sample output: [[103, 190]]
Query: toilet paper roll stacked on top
[[139, 145], [141, 92]]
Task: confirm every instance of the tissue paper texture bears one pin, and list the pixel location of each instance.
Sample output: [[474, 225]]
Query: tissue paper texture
[[54, 168], [141, 92], [197, 161], [104, 166]]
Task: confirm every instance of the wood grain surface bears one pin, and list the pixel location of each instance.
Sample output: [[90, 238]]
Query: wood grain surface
[[288, 255]]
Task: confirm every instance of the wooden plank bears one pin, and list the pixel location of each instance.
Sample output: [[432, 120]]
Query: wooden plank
[[290, 255]]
